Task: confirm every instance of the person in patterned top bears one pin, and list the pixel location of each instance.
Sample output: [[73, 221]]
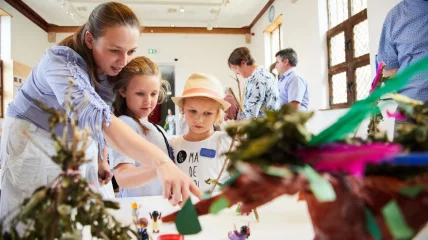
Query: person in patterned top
[[261, 91]]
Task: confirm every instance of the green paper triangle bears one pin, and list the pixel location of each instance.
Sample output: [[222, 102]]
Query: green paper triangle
[[278, 171], [206, 195], [321, 188], [395, 221], [187, 221], [372, 226], [411, 192], [219, 205], [232, 178]]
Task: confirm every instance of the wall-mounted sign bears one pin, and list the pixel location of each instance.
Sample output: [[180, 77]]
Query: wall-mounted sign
[[153, 51]]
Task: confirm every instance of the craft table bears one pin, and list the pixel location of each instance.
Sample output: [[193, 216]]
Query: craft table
[[283, 218]]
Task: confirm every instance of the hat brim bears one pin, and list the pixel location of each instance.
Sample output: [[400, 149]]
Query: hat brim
[[178, 102]]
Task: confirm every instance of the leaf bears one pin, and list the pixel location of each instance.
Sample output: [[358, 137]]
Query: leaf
[[278, 171], [238, 209], [111, 204], [395, 221], [411, 192], [372, 225], [258, 147], [187, 221], [219, 205], [404, 99], [321, 188], [361, 109]]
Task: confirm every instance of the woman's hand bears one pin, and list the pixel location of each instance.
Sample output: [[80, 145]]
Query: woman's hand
[[177, 185], [104, 173]]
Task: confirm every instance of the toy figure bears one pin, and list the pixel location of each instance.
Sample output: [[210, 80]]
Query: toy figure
[[243, 233], [134, 208], [155, 216], [142, 229]]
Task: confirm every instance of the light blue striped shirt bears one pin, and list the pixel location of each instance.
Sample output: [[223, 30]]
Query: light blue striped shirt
[[48, 83], [292, 87], [404, 40]]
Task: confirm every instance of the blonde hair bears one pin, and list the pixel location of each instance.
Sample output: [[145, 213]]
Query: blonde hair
[[139, 66], [220, 110]]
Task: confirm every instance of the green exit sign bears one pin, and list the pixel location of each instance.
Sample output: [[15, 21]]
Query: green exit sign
[[153, 51]]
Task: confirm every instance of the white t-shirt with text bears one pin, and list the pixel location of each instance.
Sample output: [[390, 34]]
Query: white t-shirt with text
[[203, 159]]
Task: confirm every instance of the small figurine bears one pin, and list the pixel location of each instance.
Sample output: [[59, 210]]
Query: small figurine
[[142, 229], [243, 234], [155, 216], [134, 208]]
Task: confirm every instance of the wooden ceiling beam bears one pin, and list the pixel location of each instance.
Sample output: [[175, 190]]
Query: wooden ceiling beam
[[265, 8], [182, 30], [196, 30], [25, 10]]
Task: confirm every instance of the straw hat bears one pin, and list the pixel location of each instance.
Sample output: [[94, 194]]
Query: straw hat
[[202, 85]]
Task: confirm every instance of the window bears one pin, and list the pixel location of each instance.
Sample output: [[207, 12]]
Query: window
[[275, 42], [273, 37], [348, 52]]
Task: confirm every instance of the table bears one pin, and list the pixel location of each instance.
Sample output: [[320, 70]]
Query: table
[[283, 218]]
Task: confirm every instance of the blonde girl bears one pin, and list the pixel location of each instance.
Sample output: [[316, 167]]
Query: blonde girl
[[199, 152], [139, 88]]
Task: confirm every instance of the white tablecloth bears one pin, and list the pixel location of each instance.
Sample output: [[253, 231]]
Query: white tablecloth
[[283, 218]]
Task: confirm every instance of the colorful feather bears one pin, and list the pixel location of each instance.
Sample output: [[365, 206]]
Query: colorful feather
[[361, 109], [396, 115], [378, 76], [348, 158]]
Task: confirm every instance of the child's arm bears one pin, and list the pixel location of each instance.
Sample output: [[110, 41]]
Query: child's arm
[[129, 176]]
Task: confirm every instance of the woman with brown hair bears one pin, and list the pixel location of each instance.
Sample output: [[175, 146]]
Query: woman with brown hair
[[95, 53], [261, 90]]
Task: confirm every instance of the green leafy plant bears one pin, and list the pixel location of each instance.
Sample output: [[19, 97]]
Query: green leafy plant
[[61, 209]]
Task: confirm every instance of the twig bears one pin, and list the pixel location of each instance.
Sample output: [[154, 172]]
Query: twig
[[67, 108], [355, 133], [256, 214], [234, 97], [239, 87], [226, 162]]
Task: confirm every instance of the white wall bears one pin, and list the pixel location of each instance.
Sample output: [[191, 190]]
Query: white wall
[[195, 53], [205, 53], [304, 27], [29, 41]]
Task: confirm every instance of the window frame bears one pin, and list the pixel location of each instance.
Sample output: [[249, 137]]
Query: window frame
[[351, 63], [269, 30]]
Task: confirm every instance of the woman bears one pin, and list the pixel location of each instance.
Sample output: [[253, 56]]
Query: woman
[[170, 120], [261, 90], [95, 53]]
